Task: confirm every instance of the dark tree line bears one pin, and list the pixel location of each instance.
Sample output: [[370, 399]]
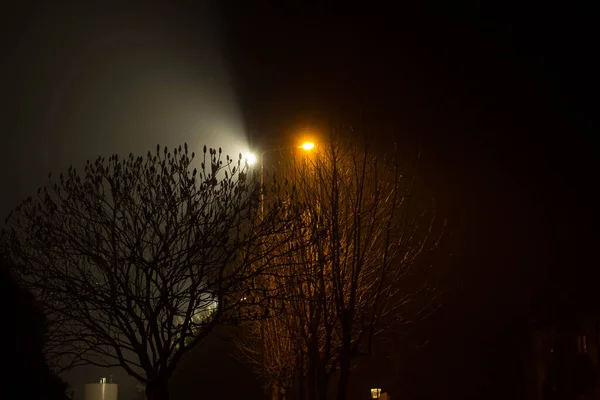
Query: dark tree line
[[138, 260], [24, 334]]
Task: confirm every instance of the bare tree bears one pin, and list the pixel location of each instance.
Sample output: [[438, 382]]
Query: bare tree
[[270, 349], [360, 237], [139, 259], [292, 320]]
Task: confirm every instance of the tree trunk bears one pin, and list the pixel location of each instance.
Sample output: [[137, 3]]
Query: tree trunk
[[157, 390], [313, 368], [312, 381], [301, 380], [322, 381], [344, 374]]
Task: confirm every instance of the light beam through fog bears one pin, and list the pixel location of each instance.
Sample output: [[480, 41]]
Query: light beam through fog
[[100, 83]]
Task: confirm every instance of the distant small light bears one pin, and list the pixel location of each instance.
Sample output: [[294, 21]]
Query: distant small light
[[251, 158], [308, 145], [375, 393]]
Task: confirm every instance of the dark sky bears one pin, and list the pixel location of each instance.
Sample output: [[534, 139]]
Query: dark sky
[[498, 98]]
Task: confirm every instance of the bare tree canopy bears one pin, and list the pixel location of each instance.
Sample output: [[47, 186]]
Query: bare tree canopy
[[138, 259], [360, 233]]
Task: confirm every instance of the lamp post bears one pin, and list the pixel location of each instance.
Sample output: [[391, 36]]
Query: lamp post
[[306, 146], [251, 157]]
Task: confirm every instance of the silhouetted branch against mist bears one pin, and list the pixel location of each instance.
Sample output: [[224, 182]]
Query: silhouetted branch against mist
[[136, 259]]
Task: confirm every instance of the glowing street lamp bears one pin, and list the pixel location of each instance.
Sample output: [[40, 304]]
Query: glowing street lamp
[[375, 393], [251, 158], [307, 146]]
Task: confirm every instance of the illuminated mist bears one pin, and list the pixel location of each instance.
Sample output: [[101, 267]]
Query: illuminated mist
[[101, 82]]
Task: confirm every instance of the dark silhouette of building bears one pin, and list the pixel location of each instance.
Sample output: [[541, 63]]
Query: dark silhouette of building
[[563, 358]]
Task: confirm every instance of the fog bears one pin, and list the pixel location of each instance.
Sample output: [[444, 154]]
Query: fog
[[84, 83]]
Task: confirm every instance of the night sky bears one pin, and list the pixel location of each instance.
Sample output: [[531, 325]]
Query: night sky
[[497, 100]]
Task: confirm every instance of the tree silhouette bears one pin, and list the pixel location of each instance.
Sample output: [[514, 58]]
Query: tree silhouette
[[137, 260], [342, 286]]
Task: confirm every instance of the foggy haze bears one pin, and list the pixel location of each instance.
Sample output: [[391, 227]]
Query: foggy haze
[[489, 106], [97, 83]]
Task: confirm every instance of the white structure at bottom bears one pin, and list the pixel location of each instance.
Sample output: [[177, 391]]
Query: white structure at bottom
[[100, 391]]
